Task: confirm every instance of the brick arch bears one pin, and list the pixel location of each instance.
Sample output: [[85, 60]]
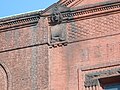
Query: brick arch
[[4, 77]]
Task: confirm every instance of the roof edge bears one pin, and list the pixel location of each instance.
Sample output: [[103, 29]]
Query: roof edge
[[17, 16], [19, 20], [88, 11]]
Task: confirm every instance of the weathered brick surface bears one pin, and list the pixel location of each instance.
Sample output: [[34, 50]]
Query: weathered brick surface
[[30, 60], [94, 27], [93, 47], [59, 68], [24, 58], [24, 37], [27, 69], [67, 62]]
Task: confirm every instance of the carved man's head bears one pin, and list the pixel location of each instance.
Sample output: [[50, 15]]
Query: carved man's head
[[56, 17]]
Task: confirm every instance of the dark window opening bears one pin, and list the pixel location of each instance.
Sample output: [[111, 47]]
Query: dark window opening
[[112, 87], [110, 83]]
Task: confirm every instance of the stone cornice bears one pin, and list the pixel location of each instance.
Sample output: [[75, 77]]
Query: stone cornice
[[19, 20], [90, 11]]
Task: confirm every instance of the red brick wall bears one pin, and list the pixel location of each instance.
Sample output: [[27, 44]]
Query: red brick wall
[[24, 37], [24, 58], [94, 27], [93, 45], [28, 63]]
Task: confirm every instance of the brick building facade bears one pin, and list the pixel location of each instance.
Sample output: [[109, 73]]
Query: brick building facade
[[71, 45]]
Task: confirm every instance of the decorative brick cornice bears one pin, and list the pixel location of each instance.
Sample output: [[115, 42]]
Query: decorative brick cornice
[[90, 11], [19, 20], [67, 2]]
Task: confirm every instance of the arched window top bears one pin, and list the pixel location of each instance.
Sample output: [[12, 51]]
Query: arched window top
[[3, 79]]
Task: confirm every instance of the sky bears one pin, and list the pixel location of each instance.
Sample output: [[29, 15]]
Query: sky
[[13, 7]]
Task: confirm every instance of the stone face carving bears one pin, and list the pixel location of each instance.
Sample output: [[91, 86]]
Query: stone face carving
[[91, 79], [58, 33], [56, 16]]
